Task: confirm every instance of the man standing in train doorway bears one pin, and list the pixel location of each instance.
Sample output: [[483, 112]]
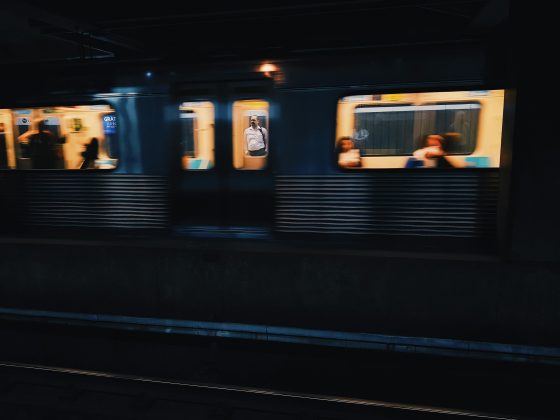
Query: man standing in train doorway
[[256, 138]]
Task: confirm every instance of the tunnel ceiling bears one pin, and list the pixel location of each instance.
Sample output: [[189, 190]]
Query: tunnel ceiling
[[169, 31]]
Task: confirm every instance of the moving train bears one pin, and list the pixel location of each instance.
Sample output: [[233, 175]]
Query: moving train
[[175, 222]]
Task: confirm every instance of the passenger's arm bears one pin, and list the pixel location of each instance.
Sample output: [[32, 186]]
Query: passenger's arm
[[433, 154], [24, 138]]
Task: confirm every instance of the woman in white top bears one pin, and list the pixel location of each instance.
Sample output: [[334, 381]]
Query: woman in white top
[[432, 155], [348, 156]]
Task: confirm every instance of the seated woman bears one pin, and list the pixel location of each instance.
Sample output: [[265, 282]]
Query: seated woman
[[348, 156], [432, 155]]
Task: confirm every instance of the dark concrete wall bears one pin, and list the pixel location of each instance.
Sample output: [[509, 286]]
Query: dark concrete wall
[[478, 299]]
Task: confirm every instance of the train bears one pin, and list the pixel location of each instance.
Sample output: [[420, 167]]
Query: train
[[175, 224]]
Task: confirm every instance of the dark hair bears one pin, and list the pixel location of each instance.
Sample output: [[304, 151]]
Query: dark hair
[[439, 136], [452, 142], [338, 146]]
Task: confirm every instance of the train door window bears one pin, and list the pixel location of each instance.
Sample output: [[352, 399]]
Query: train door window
[[427, 130], [197, 135], [251, 140], [60, 137]]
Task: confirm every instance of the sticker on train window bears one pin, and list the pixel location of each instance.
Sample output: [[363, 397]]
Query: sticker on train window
[[420, 130]]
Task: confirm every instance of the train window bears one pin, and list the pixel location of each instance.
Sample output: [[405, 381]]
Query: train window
[[383, 130], [250, 134], [197, 135], [60, 137], [461, 119], [430, 129]]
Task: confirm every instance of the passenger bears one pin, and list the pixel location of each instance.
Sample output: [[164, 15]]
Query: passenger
[[454, 142], [256, 139], [3, 149], [432, 155], [90, 154], [348, 155], [43, 147]]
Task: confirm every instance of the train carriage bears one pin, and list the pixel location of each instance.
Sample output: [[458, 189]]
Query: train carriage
[[175, 223]]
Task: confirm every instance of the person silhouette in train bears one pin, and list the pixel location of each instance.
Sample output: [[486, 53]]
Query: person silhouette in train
[[348, 155], [90, 154], [43, 147], [432, 155]]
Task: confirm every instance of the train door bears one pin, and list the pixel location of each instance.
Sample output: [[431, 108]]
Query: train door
[[52, 123], [22, 123], [225, 183], [199, 204], [250, 183]]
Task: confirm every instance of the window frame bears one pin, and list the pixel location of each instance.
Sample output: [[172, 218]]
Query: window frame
[[185, 99], [263, 98], [474, 102], [383, 106], [23, 105]]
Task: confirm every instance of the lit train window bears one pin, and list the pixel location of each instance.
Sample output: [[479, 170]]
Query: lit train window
[[384, 130], [61, 137], [420, 130], [250, 134], [197, 135], [461, 119]]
